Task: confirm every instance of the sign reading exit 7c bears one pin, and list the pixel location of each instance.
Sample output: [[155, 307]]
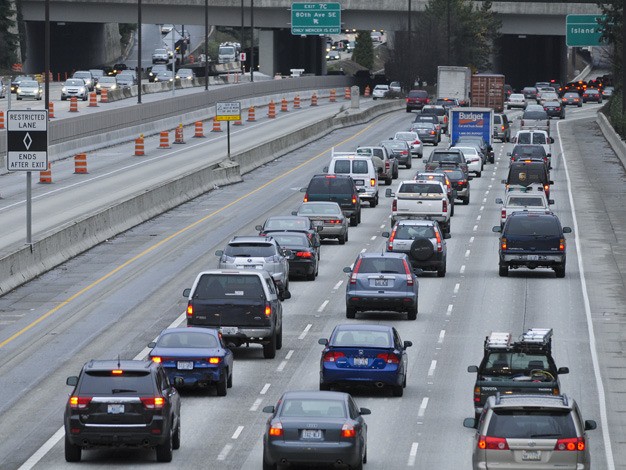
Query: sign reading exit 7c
[[315, 18], [583, 30]]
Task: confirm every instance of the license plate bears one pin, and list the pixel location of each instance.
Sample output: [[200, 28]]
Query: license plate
[[359, 182], [184, 365], [532, 257], [360, 361], [115, 409], [381, 283], [531, 455], [311, 434], [229, 330]]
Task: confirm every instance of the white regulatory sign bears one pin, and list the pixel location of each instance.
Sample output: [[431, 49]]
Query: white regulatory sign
[[228, 111], [27, 140]]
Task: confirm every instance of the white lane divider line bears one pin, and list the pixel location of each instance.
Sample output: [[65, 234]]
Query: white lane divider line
[[475, 228], [289, 354], [412, 454], [225, 451], [492, 178], [363, 250], [422, 409], [467, 253], [482, 208], [338, 285], [306, 330], [256, 404], [323, 306], [238, 431], [43, 450], [457, 286], [462, 270], [449, 311], [382, 226], [484, 199], [471, 239], [487, 192], [490, 186], [281, 366], [479, 217], [442, 334], [432, 367], [373, 237], [265, 388]]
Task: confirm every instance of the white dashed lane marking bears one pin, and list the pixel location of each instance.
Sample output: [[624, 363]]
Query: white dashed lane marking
[[265, 388], [225, 451], [431, 370], [442, 334], [323, 306], [237, 432], [306, 330], [412, 454], [449, 311], [422, 409]]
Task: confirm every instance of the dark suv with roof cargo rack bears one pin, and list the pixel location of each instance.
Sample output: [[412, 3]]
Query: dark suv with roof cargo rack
[[336, 188]]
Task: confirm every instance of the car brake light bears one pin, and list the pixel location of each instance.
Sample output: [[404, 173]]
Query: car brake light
[[439, 244], [387, 165], [306, 197], [330, 176], [153, 403], [417, 142], [355, 271], [389, 358], [354, 199], [492, 443], [268, 309], [571, 444], [477, 394], [372, 182], [157, 359], [445, 206], [276, 430], [347, 430], [304, 254], [332, 356], [117, 372], [189, 310], [503, 214], [502, 127], [391, 239], [214, 360], [546, 187], [79, 403], [394, 205], [503, 243], [562, 244], [407, 271]]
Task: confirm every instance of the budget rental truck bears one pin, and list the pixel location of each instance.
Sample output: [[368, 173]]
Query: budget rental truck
[[475, 122], [454, 82]]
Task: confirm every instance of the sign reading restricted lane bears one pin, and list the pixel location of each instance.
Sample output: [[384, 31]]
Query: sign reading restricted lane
[[315, 18], [27, 140]]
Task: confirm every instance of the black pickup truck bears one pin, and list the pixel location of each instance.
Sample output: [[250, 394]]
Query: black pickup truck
[[512, 367], [244, 305]]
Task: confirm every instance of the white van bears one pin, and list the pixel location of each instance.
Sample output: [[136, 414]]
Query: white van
[[535, 137], [361, 169]]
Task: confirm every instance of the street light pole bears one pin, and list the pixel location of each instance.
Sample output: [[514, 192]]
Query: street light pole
[[206, 43], [410, 50], [46, 55], [139, 43], [251, 40]]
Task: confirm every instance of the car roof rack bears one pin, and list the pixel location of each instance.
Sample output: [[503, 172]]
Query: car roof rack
[[498, 340], [541, 336], [344, 154]]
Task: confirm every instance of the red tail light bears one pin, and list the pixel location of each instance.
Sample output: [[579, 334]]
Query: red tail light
[[476, 394], [503, 243], [389, 358], [332, 356], [391, 239], [445, 118], [492, 443], [417, 142], [79, 403], [348, 431], [276, 430], [445, 206], [394, 205], [304, 254], [427, 100], [153, 403], [268, 310], [306, 197], [214, 360], [562, 244], [502, 127], [570, 444], [354, 199], [372, 182], [503, 214], [355, 271], [461, 183], [439, 244], [189, 310], [387, 165], [157, 359], [407, 271]]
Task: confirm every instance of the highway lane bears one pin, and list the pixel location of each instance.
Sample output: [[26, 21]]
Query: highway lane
[[128, 309]]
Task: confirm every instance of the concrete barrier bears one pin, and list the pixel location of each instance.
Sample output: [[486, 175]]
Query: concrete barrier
[[612, 137]]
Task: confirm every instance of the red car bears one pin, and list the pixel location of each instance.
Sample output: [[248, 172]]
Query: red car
[[416, 99], [591, 94]]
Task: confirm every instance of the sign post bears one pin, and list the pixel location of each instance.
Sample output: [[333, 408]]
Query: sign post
[[583, 30], [27, 150], [228, 111], [315, 18]]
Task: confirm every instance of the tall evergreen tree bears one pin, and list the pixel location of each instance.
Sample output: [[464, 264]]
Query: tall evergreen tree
[[8, 36], [363, 53]]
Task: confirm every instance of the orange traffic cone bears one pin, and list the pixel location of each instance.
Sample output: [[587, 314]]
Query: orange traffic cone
[[93, 99], [314, 100], [80, 163], [251, 116], [199, 129], [139, 146], [1, 119], [283, 106], [296, 102], [238, 122], [271, 111], [217, 126], [73, 104], [333, 94], [104, 95], [51, 110], [45, 176], [367, 91], [164, 140], [178, 135], [347, 93]]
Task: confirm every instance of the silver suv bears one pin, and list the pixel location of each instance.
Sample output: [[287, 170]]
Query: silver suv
[[530, 431], [254, 252]]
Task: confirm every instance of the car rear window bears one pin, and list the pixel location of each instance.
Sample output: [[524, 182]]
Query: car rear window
[[104, 382], [529, 150], [525, 201], [362, 338], [418, 94], [535, 115], [455, 175], [531, 424], [508, 363], [330, 186], [497, 119], [411, 232], [228, 286], [291, 239], [533, 226], [319, 209], [286, 224], [311, 408], [251, 250], [420, 188], [446, 157], [381, 265], [434, 111], [342, 166], [187, 340], [527, 174]]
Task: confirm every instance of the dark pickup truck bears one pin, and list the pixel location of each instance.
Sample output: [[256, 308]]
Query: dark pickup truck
[[244, 305], [512, 367]]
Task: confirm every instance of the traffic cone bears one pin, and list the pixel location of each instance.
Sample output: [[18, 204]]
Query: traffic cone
[[73, 104], [164, 140], [93, 99], [283, 106], [199, 129], [45, 176], [251, 116], [313, 99], [50, 110], [80, 163], [296, 102], [347, 94], [271, 110], [367, 91], [139, 146], [217, 126], [238, 122], [1, 119], [179, 138], [104, 95], [333, 94]]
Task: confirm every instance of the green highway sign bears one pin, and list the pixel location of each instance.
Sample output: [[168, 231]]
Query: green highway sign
[[583, 30], [315, 18]]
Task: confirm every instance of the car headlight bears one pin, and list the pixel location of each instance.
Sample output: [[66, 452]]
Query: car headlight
[[19, 91], [82, 89], [63, 90], [113, 87]]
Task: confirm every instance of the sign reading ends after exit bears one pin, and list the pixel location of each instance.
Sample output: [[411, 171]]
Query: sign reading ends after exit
[[315, 18], [27, 140]]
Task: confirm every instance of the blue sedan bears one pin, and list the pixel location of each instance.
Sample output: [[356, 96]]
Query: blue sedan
[[197, 355], [364, 355]]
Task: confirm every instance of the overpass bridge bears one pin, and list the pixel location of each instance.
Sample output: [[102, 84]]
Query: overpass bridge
[[533, 33]]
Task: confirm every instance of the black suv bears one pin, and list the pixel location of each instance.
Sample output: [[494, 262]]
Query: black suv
[[122, 404], [523, 366], [525, 173], [336, 188], [532, 240]]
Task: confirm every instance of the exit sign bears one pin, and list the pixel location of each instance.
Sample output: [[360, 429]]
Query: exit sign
[[583, 30], [315, 18]]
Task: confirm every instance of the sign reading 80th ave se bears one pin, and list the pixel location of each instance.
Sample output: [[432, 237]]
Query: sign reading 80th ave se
[[315, 18], [27, 140]]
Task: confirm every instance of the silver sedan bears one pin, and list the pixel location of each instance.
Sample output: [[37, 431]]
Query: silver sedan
[[329, 216]]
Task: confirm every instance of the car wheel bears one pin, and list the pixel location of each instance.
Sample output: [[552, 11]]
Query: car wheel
[[560, 271], [279, 338], [85, 98], [409, 165], [222, 386], [365, 456], [411, 314], [229, 381], [479, 173], [388, 181], [374, 98], [176, 437], [311, 276], [503, 270], [346, 237], [324, 387], [72, 452], [441, 272], [268, 466], [508, 107], [452, 210], [350, 312], [269, 350], [164, 451], [397, 390], [395, 175], [374, 201], [359, 217], [421, 249], [408, 110], [465, 200], [354, 221], [63, 98], [343, 238], [580, 105]]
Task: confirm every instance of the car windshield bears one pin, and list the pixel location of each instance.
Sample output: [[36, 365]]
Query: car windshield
[[74, 83], [425, 126], [468, 151], [381, 265], [29, 84], [104, 383], [534, 227], [228, 286], [420, 188], [187, 339], [291, 239], [351, 166], [82, 75], [519, 201], [250, 250], [286, 224], [311, 408], [537, 138], [531, 423], [362, 338], [418, 94], [515, 96], [107, 80], [406, 136], [455, 175], [320, 209], [185, 72], [572, 95], [411, 232], [395, 145], [535, 115], [160, 51], [436, 111]]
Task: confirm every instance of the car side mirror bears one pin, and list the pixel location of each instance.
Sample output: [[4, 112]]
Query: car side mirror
[[447, 236], [323, 341], [499, 201], [186, 292], [294, 212], [550, 182], [268, 409], [508, 154], [471, 423], [347, 269], [590, 425], [497, 228], [408, 344], [325, 169], [365, 411], [472, 369], [219, 252], [550, 201], [503, 181], [151, 344], [389, 193], [567, 230], [303, 190], [258, 228], [179, 382], [385, 234], [563, 370], [551, 140], [72, 381], [286, 295]]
